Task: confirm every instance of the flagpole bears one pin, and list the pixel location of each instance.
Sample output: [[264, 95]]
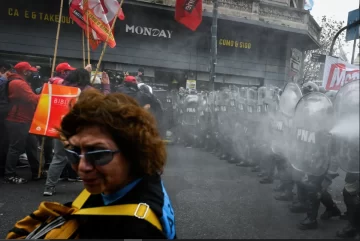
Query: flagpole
[[105, 44], [213, 44], [52, 75], [353, 52], [88, 36], [83, 47]]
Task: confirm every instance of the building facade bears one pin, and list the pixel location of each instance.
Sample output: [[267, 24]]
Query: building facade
[[258, 41]]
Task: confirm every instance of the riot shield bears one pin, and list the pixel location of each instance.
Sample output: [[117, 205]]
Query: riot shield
[[331, 94], [271, 100], [251, 101], [251, 105], [223, 114], [203, 115], [310, 139], [345, 131], [190, 110], [289, 98], [242, 102], [271, 107], [261, 116], [212, 101], [261, 99]]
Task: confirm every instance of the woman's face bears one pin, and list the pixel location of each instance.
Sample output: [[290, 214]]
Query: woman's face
[[100, 179]]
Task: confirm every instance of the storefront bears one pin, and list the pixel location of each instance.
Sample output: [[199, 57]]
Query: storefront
[[150, 38]]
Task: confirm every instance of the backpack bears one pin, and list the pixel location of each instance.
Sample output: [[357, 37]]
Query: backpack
[[53, 220], [5, 105]]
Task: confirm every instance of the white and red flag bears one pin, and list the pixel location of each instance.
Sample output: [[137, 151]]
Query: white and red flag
[[97, 16], [76, 12]]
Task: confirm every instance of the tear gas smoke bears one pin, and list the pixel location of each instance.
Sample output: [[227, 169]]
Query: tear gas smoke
[[347, 127]]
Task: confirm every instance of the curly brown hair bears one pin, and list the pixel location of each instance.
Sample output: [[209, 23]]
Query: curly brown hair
[[132, 128]]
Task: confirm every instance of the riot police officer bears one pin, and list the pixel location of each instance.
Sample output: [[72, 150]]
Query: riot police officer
[[346, 152], [312, 155]]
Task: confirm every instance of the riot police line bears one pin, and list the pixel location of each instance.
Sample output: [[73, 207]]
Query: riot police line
[[305, 133]]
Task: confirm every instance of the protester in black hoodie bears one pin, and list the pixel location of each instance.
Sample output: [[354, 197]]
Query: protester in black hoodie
[[155, 107], [130, 88], [5, 69]]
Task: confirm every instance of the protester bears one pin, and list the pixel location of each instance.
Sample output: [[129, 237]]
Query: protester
[[155, 106], [140, 75], [62, 70], [130, 88], [23, 102], [77, 78], [5, 69]]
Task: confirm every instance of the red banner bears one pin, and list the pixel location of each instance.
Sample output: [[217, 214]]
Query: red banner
[[53, 105], [76, 13], [111, 8], [98, 21], [338, 72], [189, 13]]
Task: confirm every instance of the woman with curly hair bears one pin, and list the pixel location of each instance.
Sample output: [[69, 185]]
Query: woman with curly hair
[[114, 146]]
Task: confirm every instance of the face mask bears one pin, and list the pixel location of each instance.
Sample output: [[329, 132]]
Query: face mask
[[31, 77], [64, 74], [3, 73]]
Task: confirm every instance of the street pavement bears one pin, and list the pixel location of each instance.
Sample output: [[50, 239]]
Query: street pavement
[[212, 199]]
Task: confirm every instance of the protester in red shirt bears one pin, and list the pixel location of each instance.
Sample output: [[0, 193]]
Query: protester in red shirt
[[62, 70], [79, 78], [23, 103]]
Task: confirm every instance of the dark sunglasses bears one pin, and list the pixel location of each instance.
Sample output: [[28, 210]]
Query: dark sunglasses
[[95, 158]]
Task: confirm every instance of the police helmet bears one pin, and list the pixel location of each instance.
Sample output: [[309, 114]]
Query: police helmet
[[309, 87], [145, 88]]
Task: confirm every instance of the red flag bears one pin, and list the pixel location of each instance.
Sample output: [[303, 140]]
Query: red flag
[[98, 21], [121, 15], [111, 8], [189, 13], [94, 41], [76, 13]]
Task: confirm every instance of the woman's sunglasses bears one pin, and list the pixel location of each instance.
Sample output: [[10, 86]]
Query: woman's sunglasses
[[95, 158]]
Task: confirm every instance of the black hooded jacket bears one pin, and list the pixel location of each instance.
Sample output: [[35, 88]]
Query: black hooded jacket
[[155, 103], [132, 90]]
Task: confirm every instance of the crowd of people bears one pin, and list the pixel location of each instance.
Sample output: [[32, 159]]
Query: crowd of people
[[18, 102], [246, 126]]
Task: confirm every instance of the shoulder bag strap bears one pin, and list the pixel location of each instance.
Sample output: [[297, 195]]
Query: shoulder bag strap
[[81, 199], [140, 210]]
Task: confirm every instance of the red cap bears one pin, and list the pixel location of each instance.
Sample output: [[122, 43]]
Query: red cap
[[23, 66], [130, 79], [64, 67]]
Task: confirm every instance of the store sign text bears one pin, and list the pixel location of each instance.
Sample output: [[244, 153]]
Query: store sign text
[[234, 44], [14, 12], [153, 32]]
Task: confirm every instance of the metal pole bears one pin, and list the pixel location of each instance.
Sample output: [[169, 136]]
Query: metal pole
[[353, 52], [213, 44], [339, 32]]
